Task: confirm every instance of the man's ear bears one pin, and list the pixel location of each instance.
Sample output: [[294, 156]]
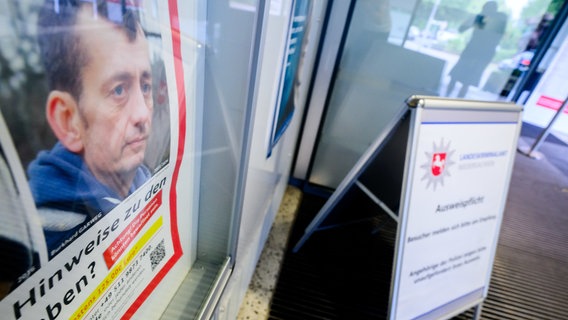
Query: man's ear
[[64, 119]]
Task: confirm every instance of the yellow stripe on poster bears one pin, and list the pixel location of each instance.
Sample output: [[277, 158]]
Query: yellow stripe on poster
[[117, 270]]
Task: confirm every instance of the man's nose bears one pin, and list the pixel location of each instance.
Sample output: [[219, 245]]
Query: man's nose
[[140, 108]]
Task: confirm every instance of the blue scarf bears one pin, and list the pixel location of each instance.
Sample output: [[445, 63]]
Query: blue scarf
[[60, 180]]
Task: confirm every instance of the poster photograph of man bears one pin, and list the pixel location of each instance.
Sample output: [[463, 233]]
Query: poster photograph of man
[[90, 111], [86, 133]]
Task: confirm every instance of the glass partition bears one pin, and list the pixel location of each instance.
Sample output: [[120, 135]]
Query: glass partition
[[226, 47], [394, 49]]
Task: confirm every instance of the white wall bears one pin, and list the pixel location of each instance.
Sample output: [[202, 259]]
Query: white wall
[[267, 178]]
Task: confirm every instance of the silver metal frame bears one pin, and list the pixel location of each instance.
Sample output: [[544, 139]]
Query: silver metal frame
[[215, 295], [254, 76], [404, 201], [324, 73], [190, 299]]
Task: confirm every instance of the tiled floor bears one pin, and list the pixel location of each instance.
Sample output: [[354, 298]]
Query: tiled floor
[[257, 300]]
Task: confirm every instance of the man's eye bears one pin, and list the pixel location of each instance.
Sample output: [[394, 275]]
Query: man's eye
[[119, 90], [146, 88]]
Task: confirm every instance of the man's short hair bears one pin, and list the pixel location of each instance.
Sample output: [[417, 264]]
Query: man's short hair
[[60, 46]]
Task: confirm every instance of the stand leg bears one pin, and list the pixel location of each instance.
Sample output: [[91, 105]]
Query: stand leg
[[477, 312]]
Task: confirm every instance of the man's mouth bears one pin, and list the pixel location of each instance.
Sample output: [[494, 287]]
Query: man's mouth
[[139, 142]]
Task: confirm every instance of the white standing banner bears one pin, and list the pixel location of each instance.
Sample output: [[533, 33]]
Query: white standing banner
[[457, 177], [441, 170]]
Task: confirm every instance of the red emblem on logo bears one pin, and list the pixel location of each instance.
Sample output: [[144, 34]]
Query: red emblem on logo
[[438, 163]]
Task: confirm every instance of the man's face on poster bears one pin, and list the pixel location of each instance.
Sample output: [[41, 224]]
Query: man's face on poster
[[115, 105]]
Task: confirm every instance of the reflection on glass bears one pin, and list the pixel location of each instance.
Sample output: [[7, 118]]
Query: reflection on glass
[[488, 29], [483, 43], [472, 49], [18, 251]]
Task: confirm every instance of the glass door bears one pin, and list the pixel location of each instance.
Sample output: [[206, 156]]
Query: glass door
[[390, 50]]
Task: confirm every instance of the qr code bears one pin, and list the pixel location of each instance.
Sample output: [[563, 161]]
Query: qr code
[[157, 255]]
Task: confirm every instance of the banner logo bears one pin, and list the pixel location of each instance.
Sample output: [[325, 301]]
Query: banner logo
[[437, 165]]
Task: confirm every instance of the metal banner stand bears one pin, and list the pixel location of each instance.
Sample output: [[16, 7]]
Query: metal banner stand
[[477, 311], [444, 234], [396, 131]]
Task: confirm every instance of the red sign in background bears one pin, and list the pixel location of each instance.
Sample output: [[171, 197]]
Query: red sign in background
[[550, 103]]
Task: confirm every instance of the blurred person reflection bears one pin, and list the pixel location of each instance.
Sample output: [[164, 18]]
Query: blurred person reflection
[[488, 29], [535, 37]]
